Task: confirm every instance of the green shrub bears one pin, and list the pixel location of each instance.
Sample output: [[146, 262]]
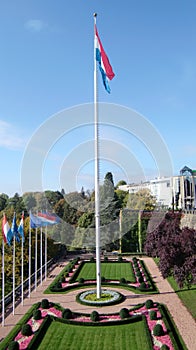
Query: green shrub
[[37, 315], [149, 304], [134, 259], [45, 304], [105, 258], [138, 274], [102, 279], [120, 259], [58, 285], [158, 330], [62, 279], [67, 314], [92, 259], [26, 329], [164, 347], [140, 279], [153, 315], [94, 316], [124, 313], [142, 285], [14, 345], [81, 280], [123, 280]]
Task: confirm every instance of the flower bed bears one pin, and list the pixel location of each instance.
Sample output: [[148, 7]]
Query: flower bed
[[133, 314]]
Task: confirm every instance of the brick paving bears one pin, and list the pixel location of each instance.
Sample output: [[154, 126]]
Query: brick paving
[[183, 320]]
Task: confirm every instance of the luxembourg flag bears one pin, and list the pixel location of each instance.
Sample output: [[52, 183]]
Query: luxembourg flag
[[21, 228], [103, 61], [6, 231]]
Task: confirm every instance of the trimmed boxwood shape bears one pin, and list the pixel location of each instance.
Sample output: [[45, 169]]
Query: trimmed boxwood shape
[[26, 329], [124, 313], [149, 304], [45, 304], [67, 314], [158, 330], [94, 316], [37, 315], [120, 259], [105, 258], [153, 315], [14, 345], [102, 279], [123, 280], [140, 279], [142, 286], [81, 280], [164, 347]]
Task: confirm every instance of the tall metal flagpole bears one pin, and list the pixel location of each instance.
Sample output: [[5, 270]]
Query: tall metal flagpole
[[30, 255], [46, 231], [97, 204], [22, 267], [14, 256], [41, 261], [36, 258], [3, 285]]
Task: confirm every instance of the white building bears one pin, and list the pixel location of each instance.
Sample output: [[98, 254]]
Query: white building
[[178, 192]]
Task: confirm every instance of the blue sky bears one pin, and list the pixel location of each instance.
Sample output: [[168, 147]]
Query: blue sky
[[47, 66]]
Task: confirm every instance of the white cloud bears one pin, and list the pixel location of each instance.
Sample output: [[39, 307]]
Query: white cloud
[[9, 136], [35, 25]]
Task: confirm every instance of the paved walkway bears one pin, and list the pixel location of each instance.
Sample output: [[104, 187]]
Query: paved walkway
[[183, 320]]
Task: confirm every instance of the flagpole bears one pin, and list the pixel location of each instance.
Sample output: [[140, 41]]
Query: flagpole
[[36, 258], [46, 231], [14, 248], [22, 268], [30, 255], [41, 255], [3, 285], [97, 204]]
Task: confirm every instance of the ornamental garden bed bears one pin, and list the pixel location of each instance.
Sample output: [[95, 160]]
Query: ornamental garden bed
[[130, 274], [147, 326]]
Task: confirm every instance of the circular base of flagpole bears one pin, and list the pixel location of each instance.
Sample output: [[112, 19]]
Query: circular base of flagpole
[[108, 297]]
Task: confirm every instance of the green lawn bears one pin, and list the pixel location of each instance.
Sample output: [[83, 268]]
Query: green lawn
[[112, 271], [69, 337], [188, 296]]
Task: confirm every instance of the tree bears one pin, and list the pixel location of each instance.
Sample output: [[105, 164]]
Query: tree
[[3, 201], [141, 200], [175, 247]]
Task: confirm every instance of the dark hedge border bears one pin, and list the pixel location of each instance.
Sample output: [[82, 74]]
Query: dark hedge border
[[13, 333], [148, 276], [109, 303], [176, 338], [54, 289]]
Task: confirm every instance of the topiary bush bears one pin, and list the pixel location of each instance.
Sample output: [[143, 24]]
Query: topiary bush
[[67, 314], [142, 286], [105, 258], [124, 313], [45, 304], [94, 316], [120, 259], [62, 279], [14, 345], [164, 347], [149, 304], [123, 280], [138, 274], [140, 279], [26, 329], [158, 330], [37, 315], [92, 259], [153, 315], [102, 279], [81, 280]]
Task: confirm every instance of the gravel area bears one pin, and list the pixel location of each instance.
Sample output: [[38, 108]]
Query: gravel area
[[183, 320]]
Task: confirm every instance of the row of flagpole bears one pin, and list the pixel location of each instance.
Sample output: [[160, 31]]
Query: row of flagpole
[[10, 236]]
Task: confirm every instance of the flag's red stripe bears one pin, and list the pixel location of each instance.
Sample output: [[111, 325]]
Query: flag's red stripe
[[109, 72]]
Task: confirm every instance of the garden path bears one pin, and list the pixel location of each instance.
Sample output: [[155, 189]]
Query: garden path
[[183, 320]]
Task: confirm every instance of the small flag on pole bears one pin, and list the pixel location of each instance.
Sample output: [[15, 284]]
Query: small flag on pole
[[21, 228], [103, 61], [6, 231], [14, 229]]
